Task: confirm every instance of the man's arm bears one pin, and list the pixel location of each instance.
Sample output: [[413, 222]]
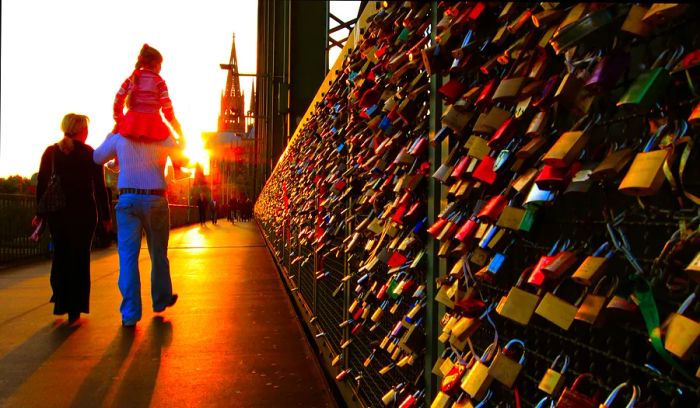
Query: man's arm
[[106, 151]]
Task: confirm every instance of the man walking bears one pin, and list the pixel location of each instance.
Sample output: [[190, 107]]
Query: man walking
[[142, 206], [202, 205]]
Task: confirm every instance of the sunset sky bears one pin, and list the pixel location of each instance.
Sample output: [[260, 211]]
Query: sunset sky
[[72, 56]]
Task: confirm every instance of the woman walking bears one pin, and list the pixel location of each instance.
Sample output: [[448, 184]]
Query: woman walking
[[72, 228]]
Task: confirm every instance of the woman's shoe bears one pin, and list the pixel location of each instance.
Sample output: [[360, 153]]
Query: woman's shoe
[[73, 317]]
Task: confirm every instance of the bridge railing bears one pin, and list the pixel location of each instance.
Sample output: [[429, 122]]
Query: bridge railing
[[16, 212]]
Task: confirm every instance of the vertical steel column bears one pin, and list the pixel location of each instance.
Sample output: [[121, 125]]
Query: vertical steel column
[[436, 267]]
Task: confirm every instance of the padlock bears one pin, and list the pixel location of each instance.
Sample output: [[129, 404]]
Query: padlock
[[455, 119], [451, 381], [634, 23], [693, 268], [613, 164], [441, 400], [484, 171], [478, 380], [694, 117], [504, 134], [488, 122], [593, 266], [645, 175], [661, 13], [607, 72], [636, 393], [566, 149], [543, 402], [504, 368], [561, 263], [681, 333], [573, 398], [518, 305], [537, 277], [552, 381], [648, 87], [572, 34], [557, 310], [594, 302], [493, 209]]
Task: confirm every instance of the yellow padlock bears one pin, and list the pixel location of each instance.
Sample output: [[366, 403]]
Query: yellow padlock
[[441, 400], [557, 310], [478, 380], [553, 380], [518, 305], [503, 368], [682, 334], [693, 268], [594, 302]]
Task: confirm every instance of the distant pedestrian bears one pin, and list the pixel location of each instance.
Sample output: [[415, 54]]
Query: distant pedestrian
[[214, 211], [142, 208], [72, 228], [202, 205]]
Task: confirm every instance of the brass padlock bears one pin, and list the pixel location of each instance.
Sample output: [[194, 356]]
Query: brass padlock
[[573, 398], [441, 400], [634, 23], [681, 333], [557, 310], [593, 267], [636, 393], [613, 164], [553, 380], [518, 305], [503, 368], [487, 123], [594, 302], [478, 380], [646, 175]]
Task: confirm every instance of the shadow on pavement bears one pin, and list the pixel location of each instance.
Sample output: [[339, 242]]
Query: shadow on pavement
[[136, 388], [98, 382], [19, 364]]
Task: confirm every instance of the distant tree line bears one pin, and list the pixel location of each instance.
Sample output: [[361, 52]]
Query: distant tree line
[[18, 184]]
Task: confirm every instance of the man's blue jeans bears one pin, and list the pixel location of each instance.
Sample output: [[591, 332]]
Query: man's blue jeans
[[137, 213]]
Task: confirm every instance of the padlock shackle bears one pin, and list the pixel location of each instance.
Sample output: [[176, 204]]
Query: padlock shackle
[[633, 399], [615, 281], [522, 346], [686, 303], [565, 364], [602, 248], [541, 403], [582, 377], [486, 399]]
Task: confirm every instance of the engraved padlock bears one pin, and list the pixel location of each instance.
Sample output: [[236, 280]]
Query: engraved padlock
[[553, 379], [636, 393], [504, 368], [593, 267], [681, 333]]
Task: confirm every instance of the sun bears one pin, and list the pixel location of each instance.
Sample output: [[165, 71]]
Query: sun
[[195, 151]]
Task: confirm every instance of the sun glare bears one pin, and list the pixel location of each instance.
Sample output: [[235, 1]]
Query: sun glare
[[195, 151]]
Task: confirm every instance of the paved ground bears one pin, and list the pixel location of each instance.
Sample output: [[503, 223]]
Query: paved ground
[[232, 339]]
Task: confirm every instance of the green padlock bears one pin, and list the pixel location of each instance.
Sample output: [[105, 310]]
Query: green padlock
[[650, 85]]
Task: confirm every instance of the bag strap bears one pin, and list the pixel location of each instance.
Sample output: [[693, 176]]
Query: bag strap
[[53, 159]]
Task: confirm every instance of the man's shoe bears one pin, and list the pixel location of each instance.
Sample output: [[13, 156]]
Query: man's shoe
[[128, 323], [173, 299]]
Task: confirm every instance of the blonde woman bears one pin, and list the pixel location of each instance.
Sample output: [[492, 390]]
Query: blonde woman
[[72, 228]]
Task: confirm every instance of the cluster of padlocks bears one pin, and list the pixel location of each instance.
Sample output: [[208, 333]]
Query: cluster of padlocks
[[509, 192]]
